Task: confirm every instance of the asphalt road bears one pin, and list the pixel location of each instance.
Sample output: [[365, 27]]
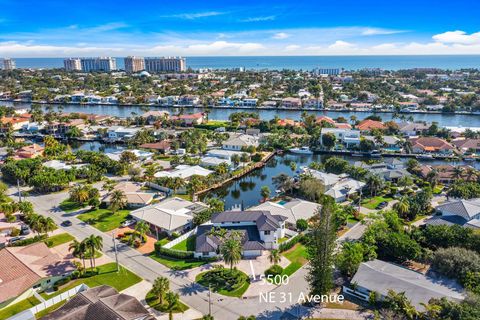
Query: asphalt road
[[281, 299]]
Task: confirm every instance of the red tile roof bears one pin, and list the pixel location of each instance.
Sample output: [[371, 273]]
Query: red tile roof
[[431, 144], [368, 124]]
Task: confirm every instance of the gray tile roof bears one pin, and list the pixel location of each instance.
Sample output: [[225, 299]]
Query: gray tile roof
[[381, 276], [263, 219], [206, 242], [467, 209]]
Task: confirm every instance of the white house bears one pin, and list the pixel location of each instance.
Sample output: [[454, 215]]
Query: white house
[[348, 137], [184, 172], [238, 141]]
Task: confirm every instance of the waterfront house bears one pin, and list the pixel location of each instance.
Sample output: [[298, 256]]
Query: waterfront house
[[380, 276], [117, 133], [189, 119], [162, 146], [465, 145], [101, 302], [369, 125], [431, 145], [347, 137], [462, 212], [248, 102], [189, 100], [184, 172], [259, 230], [170, 215], [237, 141], [291, 103], [12, 123], [155, 115], [447, 173], [293, 209], [388, 143], [61, 128], [412, 128], [27, 269]]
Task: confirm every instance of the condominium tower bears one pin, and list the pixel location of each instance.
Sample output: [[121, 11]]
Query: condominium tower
[[106, 64], [134, 64], [165, 64], [8, 64], [72, 64]]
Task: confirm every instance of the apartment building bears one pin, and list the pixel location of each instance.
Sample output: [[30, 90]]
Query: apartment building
[[106, 64], [72, 64], [165, 64], [134, 64], [8, 64]]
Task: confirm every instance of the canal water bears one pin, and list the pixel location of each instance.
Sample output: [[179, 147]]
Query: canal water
[[452, 120]]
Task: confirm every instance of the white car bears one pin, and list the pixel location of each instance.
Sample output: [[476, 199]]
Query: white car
[[127, 223]]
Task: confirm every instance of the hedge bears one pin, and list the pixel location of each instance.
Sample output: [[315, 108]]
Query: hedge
[[26, 242], [172, 253], [284, 246]]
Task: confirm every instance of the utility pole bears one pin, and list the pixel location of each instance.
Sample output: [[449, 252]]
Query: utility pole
[[115, 248], [209, 300], [18, 190]]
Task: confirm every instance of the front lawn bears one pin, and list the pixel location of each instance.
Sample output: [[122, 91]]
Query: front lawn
[[297, 256], [177, 264], [231, 283], [58, 239], [186, 245], [107, 275], [372, 203], [153, 302], [104, 219], [69, 206], [18, 307]]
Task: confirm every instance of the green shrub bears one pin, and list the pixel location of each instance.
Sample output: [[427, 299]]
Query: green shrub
[[28, 241], [15, 232], [284, 246], [177, 254], [274, 270]]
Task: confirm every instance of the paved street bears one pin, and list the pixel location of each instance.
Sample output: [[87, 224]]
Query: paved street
[[282, 298]]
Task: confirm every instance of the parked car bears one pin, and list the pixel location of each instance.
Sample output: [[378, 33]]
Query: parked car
[[15, 239], [127, 223], [66, 223], [25, 229], [382, 205]]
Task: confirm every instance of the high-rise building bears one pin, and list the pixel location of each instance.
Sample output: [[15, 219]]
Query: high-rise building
[[134, 64], [8, 64], [72, 64], [106, 64], [328, 71], [165, 64]]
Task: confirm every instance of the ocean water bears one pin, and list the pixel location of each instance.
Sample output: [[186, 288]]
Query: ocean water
[[452, 62]]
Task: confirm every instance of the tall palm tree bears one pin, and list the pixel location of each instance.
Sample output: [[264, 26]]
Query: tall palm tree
[[231, 251], [142, 228], [274, 256], [172, 302], [402, 207], [160, 286], [432, 177], [48, 224], [374, 184], [92, 244], [118, 200], [78, 250]]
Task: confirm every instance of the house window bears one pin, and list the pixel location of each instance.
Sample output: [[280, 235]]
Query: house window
[[49, 280], [36, 286], [267, 233], [205, 253]]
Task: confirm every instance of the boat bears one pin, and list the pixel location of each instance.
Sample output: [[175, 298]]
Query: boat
[[425, 157], [375, 154], [357, 154], [470, 158], [301, 150]]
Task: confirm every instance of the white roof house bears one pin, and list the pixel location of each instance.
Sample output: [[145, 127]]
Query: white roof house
[[171, 215], [184, 172], [60, 165], [238, 141], [223, 154], [294, 209], [214, 161], [336, 186]]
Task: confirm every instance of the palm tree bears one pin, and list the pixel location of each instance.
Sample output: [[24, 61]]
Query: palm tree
[[231, 251], [92, 244], [374, 184], [177, 183], [142, 228], [172, 302], [74, 132], [458, 172], [118, 200], [48, 224], [160, 286], [402, 207], [283, 182], [432, 177], [265, 192], [78, 250], [274, 256]]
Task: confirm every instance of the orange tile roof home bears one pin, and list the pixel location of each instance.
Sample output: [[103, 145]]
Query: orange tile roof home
[[31, 151], [163, 145], [326, 119], [340, 125], [368, 124], [431, 144]]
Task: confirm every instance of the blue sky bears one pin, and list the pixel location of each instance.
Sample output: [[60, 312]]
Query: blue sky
[[205, 28]]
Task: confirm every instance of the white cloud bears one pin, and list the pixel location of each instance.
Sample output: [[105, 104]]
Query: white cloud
[[258, 19], [379, 31], [339, 44], [280, 35], [458, 37], [292, 47], [194, 15]]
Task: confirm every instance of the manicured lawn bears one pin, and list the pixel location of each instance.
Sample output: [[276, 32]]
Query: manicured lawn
[[219, 284], [152, 301], [186, 245], [372, 203], [58, 239], [120, 280], [164, 241], [18, 307], [104, 219], [282, 239], [187, 197], [70, 206], [177, 264], [297, 257]]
